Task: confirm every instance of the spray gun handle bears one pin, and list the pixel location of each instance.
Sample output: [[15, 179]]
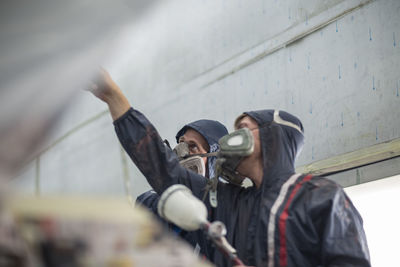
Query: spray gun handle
[[216, 231]]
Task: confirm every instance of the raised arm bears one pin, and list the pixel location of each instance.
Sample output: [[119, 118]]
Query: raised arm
[[141, 141], [109, 92]]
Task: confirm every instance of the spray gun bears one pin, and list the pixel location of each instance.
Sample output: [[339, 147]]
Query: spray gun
[[178, 205]]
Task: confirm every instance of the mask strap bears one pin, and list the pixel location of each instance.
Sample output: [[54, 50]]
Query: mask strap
[[211, 154]]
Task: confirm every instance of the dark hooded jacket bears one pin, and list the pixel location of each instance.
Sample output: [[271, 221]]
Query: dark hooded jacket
[[212, 131], [290, 220]]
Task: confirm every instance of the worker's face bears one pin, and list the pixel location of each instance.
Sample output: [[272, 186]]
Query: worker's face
[[196, 142], [252, 160]]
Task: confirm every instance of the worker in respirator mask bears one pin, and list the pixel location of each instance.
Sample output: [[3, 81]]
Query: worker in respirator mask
[[285, 219], [196, 141]]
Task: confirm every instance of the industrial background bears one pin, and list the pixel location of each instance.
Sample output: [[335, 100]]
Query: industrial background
[[333, 63]]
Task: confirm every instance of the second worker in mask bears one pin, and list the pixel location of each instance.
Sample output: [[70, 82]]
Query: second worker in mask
[[194, 139]]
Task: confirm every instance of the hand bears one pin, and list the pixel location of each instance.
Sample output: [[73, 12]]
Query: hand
[[103, 86]]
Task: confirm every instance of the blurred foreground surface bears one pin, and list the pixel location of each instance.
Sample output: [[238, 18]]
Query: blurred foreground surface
[[49, 51], [77, 231]]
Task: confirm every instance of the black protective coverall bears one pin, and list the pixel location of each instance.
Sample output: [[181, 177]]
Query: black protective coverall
[[288, 221], [211, 131]]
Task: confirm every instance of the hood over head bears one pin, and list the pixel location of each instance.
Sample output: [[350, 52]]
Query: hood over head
[[281, 140], [212, 131]]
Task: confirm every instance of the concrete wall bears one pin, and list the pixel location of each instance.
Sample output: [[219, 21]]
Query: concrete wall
[[334, 64]]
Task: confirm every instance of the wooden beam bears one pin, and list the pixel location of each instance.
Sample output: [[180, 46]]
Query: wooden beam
[[358, 158]]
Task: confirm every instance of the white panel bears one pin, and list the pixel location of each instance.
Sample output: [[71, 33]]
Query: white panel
[[377, 203]]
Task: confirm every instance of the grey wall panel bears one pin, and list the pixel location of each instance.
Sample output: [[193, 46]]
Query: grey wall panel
[[180, 41], [138, 183], [83, 107], [334, 64], [342, 84], [77, 166], [25, 182]]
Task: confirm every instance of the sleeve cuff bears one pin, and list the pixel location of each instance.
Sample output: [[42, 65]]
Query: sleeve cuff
[[122, 117]]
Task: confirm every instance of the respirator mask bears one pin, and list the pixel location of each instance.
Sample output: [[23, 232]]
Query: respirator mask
[[191, 162], [234, 147]]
